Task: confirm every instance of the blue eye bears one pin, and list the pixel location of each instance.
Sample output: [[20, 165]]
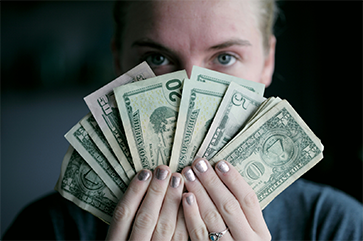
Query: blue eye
[[156, 60], [226, 59]]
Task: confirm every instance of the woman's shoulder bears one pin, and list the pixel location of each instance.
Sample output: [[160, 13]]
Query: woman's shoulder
[[53, 217], [314, 211], [321, 196]]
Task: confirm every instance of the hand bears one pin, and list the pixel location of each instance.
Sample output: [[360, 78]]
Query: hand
[[220, 199], [150, 208]]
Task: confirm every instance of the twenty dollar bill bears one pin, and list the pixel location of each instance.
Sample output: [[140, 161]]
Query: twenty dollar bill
[[149, 110], [198, 106]]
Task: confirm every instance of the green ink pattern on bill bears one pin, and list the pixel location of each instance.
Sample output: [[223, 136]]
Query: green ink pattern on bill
[[149, 110], [81, 185], [197, 108], [90, 125]]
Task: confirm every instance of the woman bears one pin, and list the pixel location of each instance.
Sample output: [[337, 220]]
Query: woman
[[234, 37], [226, 36]]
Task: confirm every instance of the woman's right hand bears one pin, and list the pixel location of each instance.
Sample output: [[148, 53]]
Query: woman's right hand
[[221, 203], [150, 208]]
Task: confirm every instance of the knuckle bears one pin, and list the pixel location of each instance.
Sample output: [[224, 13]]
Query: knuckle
[[164, 229], [144, 221], [231, 206], [156, 190], [122, 212], [134, 188], [180, 235], [199, 233], [251, 200], [211, 217], [213, 181], [235, 178]]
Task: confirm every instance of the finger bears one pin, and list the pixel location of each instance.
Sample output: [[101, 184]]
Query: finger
[[245, 196], [148, 214], [208, 211], [181, 232], [126, 208], [165, 226], [227, 205], [194, 222]]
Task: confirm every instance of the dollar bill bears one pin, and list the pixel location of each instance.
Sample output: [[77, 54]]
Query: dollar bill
[[198, 106], [262, 109], [90, 125], [83, 144], [272, 153], [149, 110], [103, 106], [207, 75], [237, 106], [265, 106], [80, 184]]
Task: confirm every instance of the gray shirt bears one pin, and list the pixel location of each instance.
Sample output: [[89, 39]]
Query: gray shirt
[[304, 211]]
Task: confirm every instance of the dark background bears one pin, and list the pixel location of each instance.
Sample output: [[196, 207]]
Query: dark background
[[55, 53]]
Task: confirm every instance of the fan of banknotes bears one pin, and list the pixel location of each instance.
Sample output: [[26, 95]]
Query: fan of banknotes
[[139, 121]]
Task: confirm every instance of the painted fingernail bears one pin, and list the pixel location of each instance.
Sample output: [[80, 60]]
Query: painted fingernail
[[190, 199], [189, 175], [175, 181], [143, 175], [222, 166], [201, 166], [161, 173]]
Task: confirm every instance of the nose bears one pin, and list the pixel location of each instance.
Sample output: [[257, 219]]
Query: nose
[[188, 64], [189, 69]]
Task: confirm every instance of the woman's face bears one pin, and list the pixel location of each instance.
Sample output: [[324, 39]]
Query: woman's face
[[174, 35]]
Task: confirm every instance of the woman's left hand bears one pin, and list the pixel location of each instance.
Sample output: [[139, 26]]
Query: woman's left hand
[[218, 200]]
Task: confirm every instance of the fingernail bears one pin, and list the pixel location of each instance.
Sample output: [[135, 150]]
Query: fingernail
[[201, 166], [190, 199], [175, 181], [143, 175], [222, 166], [189, 175], [161, 174]]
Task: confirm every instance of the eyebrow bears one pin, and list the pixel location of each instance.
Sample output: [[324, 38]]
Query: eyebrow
[[146, 42], [229, 43]]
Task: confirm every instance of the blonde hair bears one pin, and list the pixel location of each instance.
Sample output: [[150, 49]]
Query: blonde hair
[[266, 15], [267, 12]]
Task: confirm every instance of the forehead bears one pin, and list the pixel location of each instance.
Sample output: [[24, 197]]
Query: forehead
[[195, 19]]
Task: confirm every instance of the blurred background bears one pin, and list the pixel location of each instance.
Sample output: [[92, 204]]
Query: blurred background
[[53, 53]]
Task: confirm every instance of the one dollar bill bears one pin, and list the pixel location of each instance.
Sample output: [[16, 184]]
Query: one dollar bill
[[272, 153], [83, 144], [81, 185]]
